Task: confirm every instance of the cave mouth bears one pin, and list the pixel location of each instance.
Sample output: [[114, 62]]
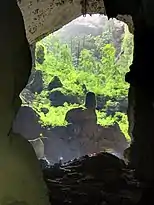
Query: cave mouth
[[82, 57]]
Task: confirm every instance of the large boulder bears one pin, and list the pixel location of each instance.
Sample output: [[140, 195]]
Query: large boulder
[[55, 83], [27, 124], [81, 115], [76, 140], [58, 98], [35, 84]]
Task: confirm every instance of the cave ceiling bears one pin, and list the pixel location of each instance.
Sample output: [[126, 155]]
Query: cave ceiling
[[46, 16]]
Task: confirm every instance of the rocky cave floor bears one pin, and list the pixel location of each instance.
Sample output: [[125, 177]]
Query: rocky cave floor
[[101, 179]]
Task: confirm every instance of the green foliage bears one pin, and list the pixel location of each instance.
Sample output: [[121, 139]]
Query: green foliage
[[95, 64], [55, 116]]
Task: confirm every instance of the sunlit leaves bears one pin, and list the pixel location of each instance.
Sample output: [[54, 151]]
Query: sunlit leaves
[[90, 62]]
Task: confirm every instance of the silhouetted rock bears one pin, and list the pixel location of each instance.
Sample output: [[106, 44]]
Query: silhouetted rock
[[101, 179], [55, 83], [80, 115], [90, 100], [35, 84], [57, 98], [26, 123]]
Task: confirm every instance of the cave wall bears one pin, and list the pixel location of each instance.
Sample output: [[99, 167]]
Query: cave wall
[[21, 180], [46, 16]]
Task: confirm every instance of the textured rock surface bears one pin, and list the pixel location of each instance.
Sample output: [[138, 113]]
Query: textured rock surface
[[26, 123], [55, 83], [72, 141], [57, 98], [46, 16], [21, 179], [80, 116], [101, 179]]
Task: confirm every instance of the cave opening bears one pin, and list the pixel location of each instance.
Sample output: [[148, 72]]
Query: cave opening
[[89, 55], [85, 180]]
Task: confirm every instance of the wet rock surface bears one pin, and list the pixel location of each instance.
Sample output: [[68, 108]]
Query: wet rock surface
[[101, 179]]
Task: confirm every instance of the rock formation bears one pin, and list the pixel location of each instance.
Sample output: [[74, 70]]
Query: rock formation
[[20, 172], [57, 98], [82, 136], [40, 18], [101, 179], [55, 83], [35, 83], [38, 146], [26, 123], [21, 176], [140, 78]]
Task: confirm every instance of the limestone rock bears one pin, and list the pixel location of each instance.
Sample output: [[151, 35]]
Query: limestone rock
[[55, 83], [44, 17], [89, 139], [101, 179], [80, 115], [74, 140], [27, 96], [57, 98], [35, 83], [21, 174], [26, 123], [113, 138]]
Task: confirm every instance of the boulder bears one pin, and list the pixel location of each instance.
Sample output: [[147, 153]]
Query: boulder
[[80, 115], [35, 84], [27, 96], [57, 98], [101, 179], [55, 83], [74, 140], [27, 124]]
